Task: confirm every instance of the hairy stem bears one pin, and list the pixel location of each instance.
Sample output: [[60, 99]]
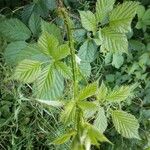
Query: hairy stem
[[68, 24], [72, 50]]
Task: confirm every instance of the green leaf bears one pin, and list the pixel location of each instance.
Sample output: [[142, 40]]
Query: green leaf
[[126, 124], [64, 70], [27, 71], [51, 4], [103, 7], [140, 11], [26, 12], [14, 30], [108, 58], [117, 60], [20, 50], [52, 29], [85, 68], [41, 8], [102, 92], [122, 15], [120, 94], [95, 136], [51, 103], [12, 52], [49, 84], [100, 121], [88, 20], [61, 52], [79, 35], [146, 17], [64, 138], [35, 24], [110, 78], [88, 91], [33, 52], [68, 115], [48, 43], [85, 105], [114, 41], [87, 52]]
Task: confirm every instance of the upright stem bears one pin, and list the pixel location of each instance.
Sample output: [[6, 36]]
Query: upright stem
[[72, 50], [74, 65]]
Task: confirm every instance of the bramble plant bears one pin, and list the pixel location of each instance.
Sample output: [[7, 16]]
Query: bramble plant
[[52, 67]]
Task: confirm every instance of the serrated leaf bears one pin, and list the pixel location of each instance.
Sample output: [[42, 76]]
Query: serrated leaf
[[126, 124], [95, 136], [52, 29], [14, 30], [118, 60], [27, 11], [85, 68], [88, 20], [122, 15], [27, 71], [100, 121], [35, 24], [48, 43], [51, 103], [33, 52], [64, 138], [120, 94], [61, 52], [85, 105], [79, 35], [102, 92], [68, 115], [114, 41], [140, 11], [50, 84], [146, 17], [87, 52], [41, 8], [20, 50], [103, 7], [64, 70], [88, 91], [12, 52]]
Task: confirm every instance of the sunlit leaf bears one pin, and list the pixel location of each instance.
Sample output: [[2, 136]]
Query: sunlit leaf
[[88, 91], [88, 20], [122, 15], [126, 124], [103, 7], [27, 71], [100, 121]]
